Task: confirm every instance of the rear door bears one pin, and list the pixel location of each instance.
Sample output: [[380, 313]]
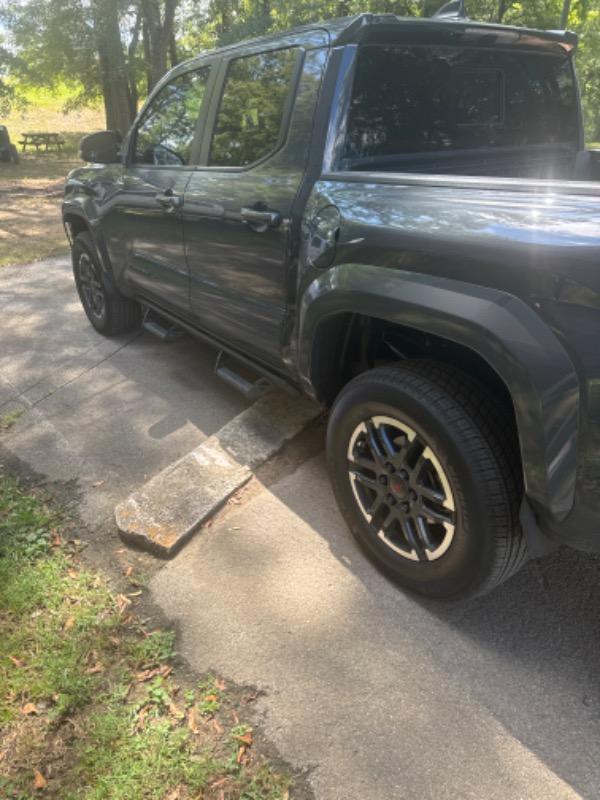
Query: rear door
[[239, 201], [147, 220]]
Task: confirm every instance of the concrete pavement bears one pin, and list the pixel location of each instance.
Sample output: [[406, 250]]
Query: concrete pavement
[[384, 696], [380, 696]]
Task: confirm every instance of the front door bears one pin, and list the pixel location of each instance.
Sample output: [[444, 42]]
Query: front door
[[238, 205], [147, 219]]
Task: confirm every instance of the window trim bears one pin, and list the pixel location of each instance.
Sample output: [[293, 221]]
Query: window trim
[[336, 135], [213, 65], [286, 116]]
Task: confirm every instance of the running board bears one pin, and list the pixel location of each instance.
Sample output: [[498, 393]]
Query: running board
[[159, 326], [250, 386]]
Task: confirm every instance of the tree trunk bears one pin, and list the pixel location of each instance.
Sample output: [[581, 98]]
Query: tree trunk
[[131, 51], [158, 33], [564, 17], [113, 70]]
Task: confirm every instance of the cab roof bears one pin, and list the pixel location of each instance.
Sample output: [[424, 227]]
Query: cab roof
[[446, 29]]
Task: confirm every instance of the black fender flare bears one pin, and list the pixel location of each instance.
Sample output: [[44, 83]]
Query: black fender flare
[[501, 328]]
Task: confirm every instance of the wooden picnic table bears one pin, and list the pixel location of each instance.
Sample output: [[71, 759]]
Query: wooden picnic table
[[39, 139]]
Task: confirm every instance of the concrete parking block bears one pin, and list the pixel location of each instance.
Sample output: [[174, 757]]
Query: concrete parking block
[[164, 513]]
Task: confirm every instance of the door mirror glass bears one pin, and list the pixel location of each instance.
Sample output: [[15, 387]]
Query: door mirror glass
[[249, 122], [165, 135], [103, 147]]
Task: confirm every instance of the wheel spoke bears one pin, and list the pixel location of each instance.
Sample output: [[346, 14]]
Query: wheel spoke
[[431, 494], [373, 438], [438, 515], [412, 539], [370, 483], [424, 534], [362, 461]]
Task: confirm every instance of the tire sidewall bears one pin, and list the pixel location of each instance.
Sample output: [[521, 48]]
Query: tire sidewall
[[470, 554]]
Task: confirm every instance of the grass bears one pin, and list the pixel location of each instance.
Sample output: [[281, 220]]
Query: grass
[[8, 420], [90, 706], [31, 191]]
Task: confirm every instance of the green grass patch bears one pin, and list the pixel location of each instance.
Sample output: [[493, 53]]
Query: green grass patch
[[8, 420], [90, 707]]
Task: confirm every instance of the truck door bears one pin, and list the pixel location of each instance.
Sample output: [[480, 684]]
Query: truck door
[[145, 221], [239, 202]]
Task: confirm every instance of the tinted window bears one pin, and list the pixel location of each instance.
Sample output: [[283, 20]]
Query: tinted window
[[249, 121], [443, 100], [166, 132]]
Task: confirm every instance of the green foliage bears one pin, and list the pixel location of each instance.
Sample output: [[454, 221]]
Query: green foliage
[[70, 680]]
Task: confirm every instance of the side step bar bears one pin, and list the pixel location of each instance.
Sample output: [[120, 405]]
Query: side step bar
[[250, 386], [159, 326]]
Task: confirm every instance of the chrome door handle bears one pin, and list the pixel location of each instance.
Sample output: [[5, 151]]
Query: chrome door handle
[[169, 199], [260, 220]]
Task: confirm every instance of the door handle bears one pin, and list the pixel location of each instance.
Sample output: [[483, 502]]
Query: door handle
[[169, 200], [260, 220]]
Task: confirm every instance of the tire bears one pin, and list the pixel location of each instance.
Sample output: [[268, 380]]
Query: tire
[[430, 485], [110, 312]]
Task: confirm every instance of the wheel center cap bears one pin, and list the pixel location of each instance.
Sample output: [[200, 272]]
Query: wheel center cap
[[399, 487]]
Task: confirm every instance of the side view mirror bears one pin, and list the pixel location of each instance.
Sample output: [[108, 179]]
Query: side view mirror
[[103, 147]]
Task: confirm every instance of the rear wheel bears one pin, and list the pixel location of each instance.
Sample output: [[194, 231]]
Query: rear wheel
[[426, 475], [110, 312]]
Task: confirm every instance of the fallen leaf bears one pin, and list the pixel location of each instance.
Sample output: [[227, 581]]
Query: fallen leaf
[[29, 708], [121, 550], [245, 738], [17, 661], [193, 720], [127, 572], [3, 754], [72, 573], [56, 539], [210, 698], [175, 712], [236, 719], [39, 781], [69, 623], [95, 669], [240, 753], [218, 783], [122, 602], [220, 684], [218, 728]]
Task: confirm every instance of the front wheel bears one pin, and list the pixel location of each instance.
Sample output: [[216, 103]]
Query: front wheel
[[110, 312], [426, 477]]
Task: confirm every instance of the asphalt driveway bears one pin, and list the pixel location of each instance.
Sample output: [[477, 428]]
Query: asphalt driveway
[[378, 695]]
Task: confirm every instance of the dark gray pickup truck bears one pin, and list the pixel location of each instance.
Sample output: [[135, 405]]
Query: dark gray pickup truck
[[399, 218]]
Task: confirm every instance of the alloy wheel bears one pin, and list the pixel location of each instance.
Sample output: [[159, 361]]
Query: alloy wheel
[[401, 488]]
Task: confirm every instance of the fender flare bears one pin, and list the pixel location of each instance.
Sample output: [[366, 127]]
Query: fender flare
[[502, 329]]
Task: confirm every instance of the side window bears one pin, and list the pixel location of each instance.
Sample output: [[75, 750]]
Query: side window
[[166, 132], [248, 125], [462, 110]]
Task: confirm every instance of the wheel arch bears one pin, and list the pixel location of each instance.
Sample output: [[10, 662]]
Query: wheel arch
[[495, 330]]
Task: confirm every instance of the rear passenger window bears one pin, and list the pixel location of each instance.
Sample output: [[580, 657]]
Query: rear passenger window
[[250, 118], [166, 133], [462, 110]]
